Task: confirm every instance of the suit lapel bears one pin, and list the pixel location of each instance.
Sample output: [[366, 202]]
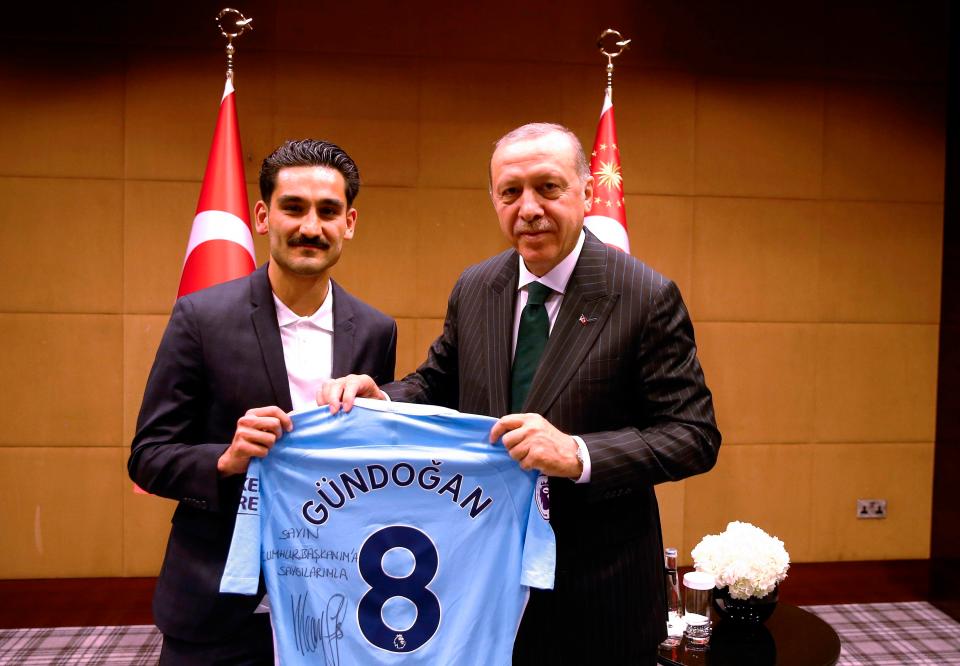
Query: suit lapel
[[343, 332], [586, 306], [264, 317], [498, 320]]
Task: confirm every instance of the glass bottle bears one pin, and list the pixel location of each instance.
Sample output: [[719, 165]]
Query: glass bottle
[[674, 612]]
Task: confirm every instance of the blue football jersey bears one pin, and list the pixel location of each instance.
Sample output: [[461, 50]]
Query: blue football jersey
[[392, 534]]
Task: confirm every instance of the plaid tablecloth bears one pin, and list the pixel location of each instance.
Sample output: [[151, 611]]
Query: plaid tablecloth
[[129, 645], [894, 634]]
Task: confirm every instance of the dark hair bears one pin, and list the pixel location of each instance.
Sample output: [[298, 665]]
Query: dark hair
[[308, 152]]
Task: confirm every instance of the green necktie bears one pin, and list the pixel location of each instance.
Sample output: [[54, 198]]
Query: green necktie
[[531, 339]]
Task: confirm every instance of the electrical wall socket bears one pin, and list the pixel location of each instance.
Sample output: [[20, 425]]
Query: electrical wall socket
[[871, 508]]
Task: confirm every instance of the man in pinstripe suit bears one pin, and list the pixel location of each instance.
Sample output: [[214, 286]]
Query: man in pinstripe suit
[[618, 402]]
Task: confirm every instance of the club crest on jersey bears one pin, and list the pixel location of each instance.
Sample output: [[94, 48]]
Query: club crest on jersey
[[399, 642], [543, 496]]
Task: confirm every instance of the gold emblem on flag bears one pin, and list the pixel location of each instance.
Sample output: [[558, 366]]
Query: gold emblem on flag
[[608, 175]]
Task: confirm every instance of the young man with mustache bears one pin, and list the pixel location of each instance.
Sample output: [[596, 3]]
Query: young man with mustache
[[234, 359]]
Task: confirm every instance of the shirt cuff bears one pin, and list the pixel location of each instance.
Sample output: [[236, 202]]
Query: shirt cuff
[[584, 458]]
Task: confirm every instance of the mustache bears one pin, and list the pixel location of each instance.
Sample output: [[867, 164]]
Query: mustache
[[536, 226], [299, 240]]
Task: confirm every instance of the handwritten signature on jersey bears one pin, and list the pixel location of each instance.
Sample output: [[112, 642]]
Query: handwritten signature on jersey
[[319, 634]]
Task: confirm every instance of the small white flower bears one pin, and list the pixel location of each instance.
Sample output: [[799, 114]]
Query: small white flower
[[744, 559]]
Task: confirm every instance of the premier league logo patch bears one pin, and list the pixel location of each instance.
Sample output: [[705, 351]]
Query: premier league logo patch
[[543, 496]]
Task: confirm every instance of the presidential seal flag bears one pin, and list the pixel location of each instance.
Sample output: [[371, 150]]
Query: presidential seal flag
[[221, 244], [608, 213]]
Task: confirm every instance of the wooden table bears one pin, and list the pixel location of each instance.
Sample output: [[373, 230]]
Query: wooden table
[[791, 637]]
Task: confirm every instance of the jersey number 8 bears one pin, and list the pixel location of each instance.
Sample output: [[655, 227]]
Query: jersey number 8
[[384, 587]]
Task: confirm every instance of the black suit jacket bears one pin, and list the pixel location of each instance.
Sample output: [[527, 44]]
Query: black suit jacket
[[620, 370], [221, 355]]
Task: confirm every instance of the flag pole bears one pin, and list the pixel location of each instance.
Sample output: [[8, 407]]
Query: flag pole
[[621, 44], [232, 24], [607, 217]]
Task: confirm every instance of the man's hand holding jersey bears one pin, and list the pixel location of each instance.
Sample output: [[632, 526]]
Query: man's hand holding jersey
[[340, 393], [257, 431], [531, 440], [535, 443]]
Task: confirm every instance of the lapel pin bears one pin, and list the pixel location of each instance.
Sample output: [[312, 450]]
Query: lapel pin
[[584, 321]]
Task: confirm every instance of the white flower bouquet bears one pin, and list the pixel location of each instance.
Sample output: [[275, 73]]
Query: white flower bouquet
[[743, 558]]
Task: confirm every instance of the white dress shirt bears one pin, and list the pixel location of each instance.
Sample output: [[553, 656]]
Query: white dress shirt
[[307, 349], [557, 279], [308, 355]]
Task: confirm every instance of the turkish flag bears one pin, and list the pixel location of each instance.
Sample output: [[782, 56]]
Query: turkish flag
[[221, 244], [608, 214]]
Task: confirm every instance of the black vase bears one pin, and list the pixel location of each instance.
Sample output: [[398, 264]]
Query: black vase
[[743, 644], [754, 610]]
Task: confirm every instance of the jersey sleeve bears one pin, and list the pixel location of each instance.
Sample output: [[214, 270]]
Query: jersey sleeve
[[241, 575], [539, 545]]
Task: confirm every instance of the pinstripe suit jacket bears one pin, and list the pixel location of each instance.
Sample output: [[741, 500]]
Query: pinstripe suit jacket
[[620, 370]]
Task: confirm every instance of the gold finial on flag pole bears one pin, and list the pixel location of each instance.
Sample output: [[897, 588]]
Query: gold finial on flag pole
[[232, 24], [621, 44]]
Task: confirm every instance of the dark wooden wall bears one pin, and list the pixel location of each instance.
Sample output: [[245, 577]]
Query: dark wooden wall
[[945, 524]]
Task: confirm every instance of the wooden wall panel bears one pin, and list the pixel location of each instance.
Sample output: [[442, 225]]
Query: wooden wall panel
[[62, 245], [141, 337], [783, 164], [455, 228], [671, 498], [172, 99], [944, 536], [155, 241], [380, 263], [63, 111], [62, 379], [732, 491], [884, 141], [899, 473], [755, 259], [881, 262], [759, 138], [763, 378], [61, 511], [370, 106], [661, 231], [875, 383], [146, 525]]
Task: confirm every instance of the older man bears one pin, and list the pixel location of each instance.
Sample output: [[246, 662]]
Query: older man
[[588, 357]]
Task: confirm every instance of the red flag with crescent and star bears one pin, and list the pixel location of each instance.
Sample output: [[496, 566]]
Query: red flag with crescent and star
[[608, 214], [221, 244]]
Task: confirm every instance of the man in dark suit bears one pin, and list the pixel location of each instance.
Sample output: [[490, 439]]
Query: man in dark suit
[[234, 359], [613, 404]]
